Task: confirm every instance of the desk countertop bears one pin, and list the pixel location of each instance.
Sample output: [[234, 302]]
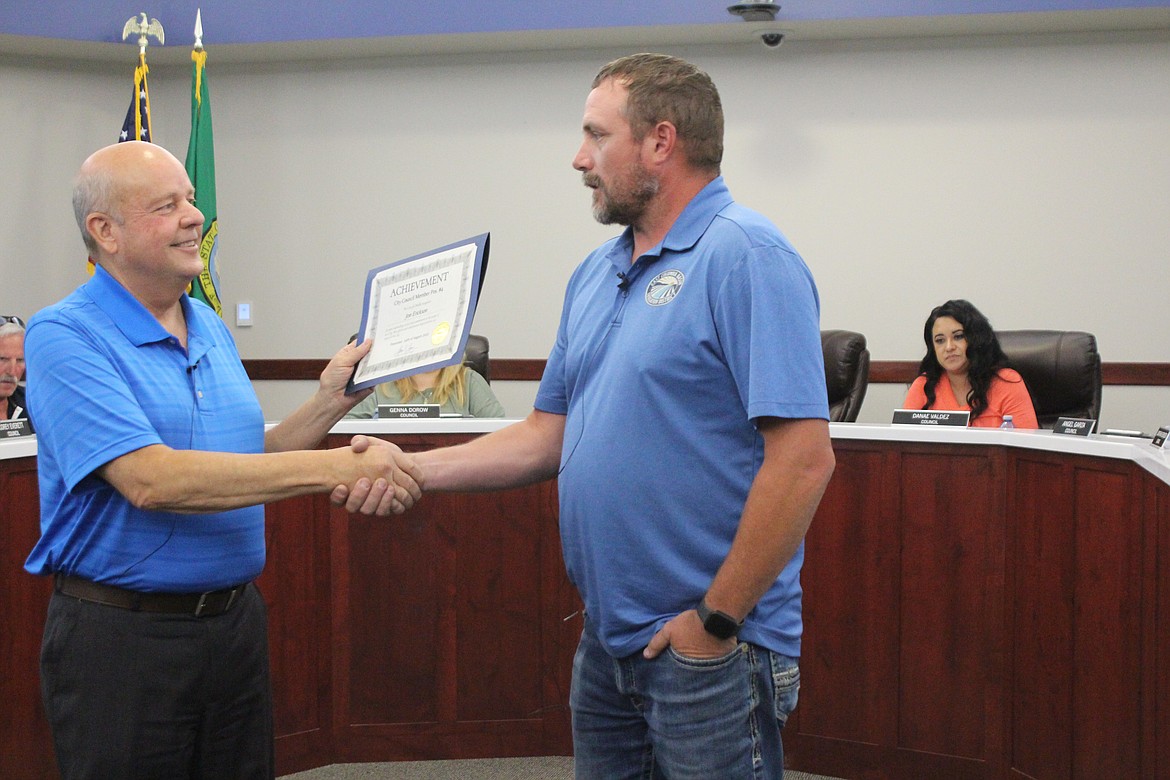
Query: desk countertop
[[1140, 451], [18, 447]]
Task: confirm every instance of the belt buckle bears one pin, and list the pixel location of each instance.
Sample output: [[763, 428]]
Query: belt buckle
[[202, 603]]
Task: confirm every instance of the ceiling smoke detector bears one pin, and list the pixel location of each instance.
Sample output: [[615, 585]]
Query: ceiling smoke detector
[[763, 16], [755, 12]]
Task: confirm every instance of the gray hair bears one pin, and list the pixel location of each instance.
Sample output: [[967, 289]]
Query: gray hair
[[11, 329], [94, 191]]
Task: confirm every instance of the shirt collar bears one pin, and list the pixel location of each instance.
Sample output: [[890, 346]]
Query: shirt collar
[[137, 324], [694, 220]]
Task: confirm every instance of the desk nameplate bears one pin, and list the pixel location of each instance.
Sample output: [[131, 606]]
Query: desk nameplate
[[1074, 426], [10, 429], [407, 411], [931, 417]]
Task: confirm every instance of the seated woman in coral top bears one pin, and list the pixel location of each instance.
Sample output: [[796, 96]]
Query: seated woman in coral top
[[964, 361]]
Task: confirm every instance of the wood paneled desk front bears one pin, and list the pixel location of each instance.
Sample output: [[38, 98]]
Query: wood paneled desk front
[[987, 604], [979, 604]]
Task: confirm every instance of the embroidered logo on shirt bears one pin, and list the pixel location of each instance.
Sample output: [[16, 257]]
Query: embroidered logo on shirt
[[664, 287]]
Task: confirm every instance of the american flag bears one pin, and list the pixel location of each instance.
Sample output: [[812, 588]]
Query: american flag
[[137, 124]]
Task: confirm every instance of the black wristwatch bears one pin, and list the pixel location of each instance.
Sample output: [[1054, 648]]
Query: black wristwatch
[[718, 624]]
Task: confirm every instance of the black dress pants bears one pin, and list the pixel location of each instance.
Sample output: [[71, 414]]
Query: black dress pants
[[139, 696]]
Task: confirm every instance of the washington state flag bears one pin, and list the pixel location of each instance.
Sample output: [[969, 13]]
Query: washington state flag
[[201, 170]]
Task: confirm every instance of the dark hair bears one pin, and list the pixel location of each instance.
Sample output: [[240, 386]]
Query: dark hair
[[664, 88], [984, 355]]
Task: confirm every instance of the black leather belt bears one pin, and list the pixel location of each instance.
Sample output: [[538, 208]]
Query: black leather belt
[[208, 604]]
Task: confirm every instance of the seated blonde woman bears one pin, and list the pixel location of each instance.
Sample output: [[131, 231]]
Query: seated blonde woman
[[457, 389]]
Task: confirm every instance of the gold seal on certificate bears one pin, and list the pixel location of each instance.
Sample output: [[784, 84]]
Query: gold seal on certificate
[[418, 311]]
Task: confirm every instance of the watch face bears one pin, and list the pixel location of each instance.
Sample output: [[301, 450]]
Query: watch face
[[720, 625]]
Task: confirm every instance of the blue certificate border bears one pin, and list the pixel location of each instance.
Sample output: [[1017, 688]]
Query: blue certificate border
[[482, 245]]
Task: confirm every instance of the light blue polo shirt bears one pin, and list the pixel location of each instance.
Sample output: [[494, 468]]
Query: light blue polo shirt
[[660, 383], [105, 379]]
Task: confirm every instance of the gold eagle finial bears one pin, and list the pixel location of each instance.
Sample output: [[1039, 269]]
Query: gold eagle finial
[[139, 25]]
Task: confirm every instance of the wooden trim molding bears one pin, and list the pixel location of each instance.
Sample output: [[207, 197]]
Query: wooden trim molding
[[1146, 374], [1155, 374], [892, 372], [517, 369], [301, 369], [530, 370]]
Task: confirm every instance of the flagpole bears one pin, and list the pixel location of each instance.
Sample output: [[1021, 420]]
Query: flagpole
[[136, 126], [145, 31], [200, 166]]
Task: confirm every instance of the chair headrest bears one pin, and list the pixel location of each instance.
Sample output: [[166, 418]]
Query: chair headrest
[[843, 353], [1062, 369], [475, 355], [846, 372]]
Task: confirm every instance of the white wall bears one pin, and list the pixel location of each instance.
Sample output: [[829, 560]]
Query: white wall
[[1028, 174]]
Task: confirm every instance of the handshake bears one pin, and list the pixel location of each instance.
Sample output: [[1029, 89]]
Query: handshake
[[376, 477]]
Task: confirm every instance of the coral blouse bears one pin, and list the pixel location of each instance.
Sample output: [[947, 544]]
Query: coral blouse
[[1007, 395]]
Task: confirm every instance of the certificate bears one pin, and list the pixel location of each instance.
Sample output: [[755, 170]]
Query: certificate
[[418, 312]]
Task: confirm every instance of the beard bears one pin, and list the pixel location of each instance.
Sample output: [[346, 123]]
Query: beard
[[623, 201]]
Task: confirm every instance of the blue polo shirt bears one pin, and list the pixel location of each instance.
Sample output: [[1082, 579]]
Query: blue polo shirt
[[661, 381], [105, 379]]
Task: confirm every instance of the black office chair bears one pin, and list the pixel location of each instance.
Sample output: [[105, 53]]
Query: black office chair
[[475, 356], [1061, 368], [846, 372]]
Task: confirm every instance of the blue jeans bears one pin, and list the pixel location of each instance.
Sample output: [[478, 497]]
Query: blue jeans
[[677, 718]]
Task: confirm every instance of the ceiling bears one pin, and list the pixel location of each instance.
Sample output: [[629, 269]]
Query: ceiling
[[249, 30]]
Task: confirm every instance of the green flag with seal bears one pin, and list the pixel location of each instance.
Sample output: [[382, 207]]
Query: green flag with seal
[[201, 171]]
